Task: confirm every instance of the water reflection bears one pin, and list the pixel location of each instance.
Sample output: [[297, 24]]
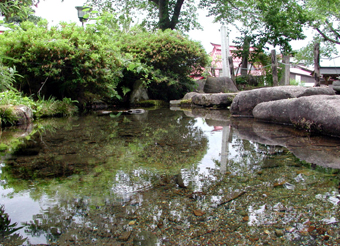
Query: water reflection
[[8, 230], [166, 178]]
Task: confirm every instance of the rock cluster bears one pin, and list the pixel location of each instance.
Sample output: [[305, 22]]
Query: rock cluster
[[314, 109], [245, 101]]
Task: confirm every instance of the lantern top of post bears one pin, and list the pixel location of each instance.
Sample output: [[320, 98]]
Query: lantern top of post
[[82, 13]]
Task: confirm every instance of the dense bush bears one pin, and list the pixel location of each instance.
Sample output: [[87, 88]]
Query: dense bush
[[99, 61], [171, 58], [65, 61]]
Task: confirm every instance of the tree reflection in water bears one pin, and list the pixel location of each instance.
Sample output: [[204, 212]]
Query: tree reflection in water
[[8, 229]]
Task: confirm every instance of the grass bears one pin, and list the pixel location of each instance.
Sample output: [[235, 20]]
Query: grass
[[40, 108]]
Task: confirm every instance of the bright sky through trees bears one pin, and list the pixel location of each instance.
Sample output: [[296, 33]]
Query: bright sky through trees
[[56, 10]]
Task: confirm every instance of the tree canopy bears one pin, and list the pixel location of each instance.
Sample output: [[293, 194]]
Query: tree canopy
[[10, 8], [267, 21], [156, 14], [325, 16]]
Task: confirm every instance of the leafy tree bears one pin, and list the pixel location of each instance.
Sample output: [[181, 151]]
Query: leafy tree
[[100, 62], [325, 18], [306, 54], [268, 22], [10, 8], [158, 14]]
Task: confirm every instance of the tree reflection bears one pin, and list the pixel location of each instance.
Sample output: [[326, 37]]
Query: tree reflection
[[8, 229]]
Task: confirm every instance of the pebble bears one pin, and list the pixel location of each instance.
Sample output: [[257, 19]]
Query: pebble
[[279, 233]]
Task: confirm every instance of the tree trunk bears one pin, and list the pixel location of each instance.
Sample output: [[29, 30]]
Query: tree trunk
[[274, 68], [163, 8], [245, 56], [317, 64], [285, 80], [165, 22], [231, 66]]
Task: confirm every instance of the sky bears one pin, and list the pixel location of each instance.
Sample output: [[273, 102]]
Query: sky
[[57, 10]]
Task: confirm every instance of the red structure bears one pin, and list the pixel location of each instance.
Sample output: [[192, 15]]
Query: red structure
[[216, 64]]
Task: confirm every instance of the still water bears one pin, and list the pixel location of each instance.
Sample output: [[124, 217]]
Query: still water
[[167, 177]]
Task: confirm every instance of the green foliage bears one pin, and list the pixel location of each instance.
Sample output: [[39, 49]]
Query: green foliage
[[64, 61], [7, 77], [40, 107], [268, 22], [105, 59], [297, 83], [168, 58], [6, 227], [7, 116], [170, 14], [325, 18], [21, 9], [306, 54]]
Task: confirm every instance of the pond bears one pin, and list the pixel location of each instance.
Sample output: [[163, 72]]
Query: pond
[[167, 177]]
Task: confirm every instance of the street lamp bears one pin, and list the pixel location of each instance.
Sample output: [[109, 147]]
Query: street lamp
[[82, 13]]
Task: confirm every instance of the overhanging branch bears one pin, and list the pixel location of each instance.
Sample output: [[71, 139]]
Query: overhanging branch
[[326, 37]]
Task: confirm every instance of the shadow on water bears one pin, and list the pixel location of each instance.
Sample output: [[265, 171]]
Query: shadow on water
[[167, 177]]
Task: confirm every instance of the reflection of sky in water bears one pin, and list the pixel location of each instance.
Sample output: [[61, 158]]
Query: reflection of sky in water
[[214, 146], [20, 207]]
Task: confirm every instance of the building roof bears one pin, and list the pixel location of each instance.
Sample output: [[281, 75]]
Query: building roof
[[330, 71]]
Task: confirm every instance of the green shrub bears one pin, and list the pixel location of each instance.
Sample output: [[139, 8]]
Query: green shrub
[[7, 77], [169, 57], [64, 61]]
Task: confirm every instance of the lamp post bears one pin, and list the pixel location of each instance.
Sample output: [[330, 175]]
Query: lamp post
[[82, 13]]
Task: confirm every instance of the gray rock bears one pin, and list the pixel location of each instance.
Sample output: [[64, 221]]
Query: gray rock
[[245, 101], [139, 92], [320, 113], [336, 85], [200, 85], [22, 113], [189, 95], [216, 99], [219, 84]]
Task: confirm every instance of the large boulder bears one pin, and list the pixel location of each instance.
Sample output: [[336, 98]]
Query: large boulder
[[217, 99], [139, 92], [320, 113], [219, 84], [22, 114], [336, 86], [200, 85], [245, 101]]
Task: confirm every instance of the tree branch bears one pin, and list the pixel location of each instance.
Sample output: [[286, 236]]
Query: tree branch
[[326, 37], [335, 32], [177, 11]]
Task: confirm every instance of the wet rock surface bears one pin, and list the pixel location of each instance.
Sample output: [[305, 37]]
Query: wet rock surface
[[221, 100]]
